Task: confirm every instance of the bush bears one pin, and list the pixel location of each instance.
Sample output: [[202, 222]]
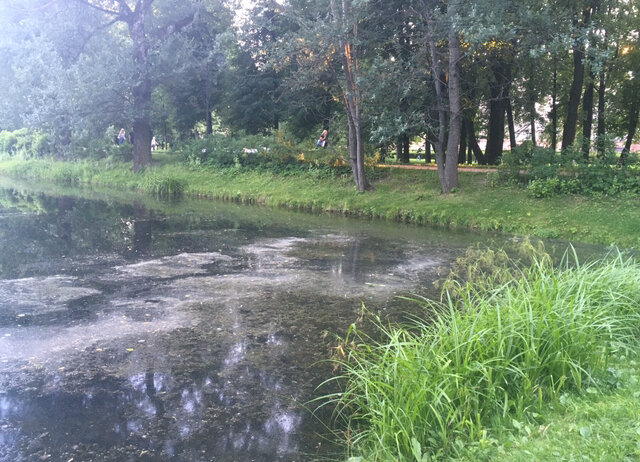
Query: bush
[[547, 173], [25, 144], [274, 153]]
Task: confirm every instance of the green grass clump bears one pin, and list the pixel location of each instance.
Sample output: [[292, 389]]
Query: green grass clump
[[486, 359], [162, 185]]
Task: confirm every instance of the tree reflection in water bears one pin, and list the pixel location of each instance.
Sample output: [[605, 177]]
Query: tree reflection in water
[[200, 336]]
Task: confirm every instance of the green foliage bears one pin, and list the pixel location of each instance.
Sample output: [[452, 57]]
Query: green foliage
[[25, 144], [492, 359], [548, 174], [162, 184], [272, 153]]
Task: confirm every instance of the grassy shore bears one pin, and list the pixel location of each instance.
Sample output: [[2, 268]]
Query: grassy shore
[[397, 194], [540, 368]]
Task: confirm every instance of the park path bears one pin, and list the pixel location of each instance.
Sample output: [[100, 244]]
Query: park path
[[434, 167]]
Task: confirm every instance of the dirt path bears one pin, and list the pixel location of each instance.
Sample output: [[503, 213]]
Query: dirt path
[[434, 167]]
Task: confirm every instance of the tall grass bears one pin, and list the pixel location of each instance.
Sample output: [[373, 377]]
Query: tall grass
[[489, 357]]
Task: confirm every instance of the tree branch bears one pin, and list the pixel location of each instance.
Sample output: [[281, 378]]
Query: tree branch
[[177, 26], [99, 8]]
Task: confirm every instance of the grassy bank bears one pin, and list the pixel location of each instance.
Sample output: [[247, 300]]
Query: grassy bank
[[401, 195], [540, 368]]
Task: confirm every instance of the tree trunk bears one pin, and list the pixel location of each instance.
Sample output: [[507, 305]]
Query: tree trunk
[[462, 153], [207, 97], [587, 104], [601, 130], [498, 89], [531, 101], [351, 96], [513, 142], [631, 131], [142, 88], [569, 129], [455, 104], [402, 149], [427, 150], [571, 121], [554, 107], [473, 143], [438, 79]]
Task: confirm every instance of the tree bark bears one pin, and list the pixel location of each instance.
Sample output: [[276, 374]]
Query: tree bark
[[571, 121], [554, 107], [602, 127], [587, 123], [462, 153], [473, 143], [499, 91], [631, 131], [438, 79], [455, 104], [351, 95], [513, 142], [207, 98], [142, 87], [402, 150]]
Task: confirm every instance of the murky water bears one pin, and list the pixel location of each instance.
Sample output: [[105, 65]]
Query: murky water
[[135, 330]]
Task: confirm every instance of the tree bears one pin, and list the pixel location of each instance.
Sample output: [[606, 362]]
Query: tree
[[145, 34], [440, 26]]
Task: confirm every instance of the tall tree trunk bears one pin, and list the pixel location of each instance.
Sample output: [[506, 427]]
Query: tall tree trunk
[[351, 95], [631, 130], [462, 153], [498, 89], [601, 130], [455, 104], [142, 88], [554, 107], [587, 123], [403, 149], [207, 98], [571, 121], [427, 150], [473, 143], [438, 79], [531, 103], [513, 142]]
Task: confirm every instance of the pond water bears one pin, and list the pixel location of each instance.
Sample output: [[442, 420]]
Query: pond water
[[132, 329]]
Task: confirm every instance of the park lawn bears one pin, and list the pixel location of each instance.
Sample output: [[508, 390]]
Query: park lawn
[[411, 196], [596, 426]]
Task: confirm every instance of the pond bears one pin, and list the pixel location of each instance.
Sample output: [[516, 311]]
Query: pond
[[133, 329]]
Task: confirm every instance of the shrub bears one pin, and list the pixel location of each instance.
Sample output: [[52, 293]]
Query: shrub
[[25, 144]]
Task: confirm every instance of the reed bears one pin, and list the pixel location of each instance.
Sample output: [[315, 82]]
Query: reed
[[485, 358]]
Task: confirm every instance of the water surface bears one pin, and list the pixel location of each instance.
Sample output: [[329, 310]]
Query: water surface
[[132, 329]]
